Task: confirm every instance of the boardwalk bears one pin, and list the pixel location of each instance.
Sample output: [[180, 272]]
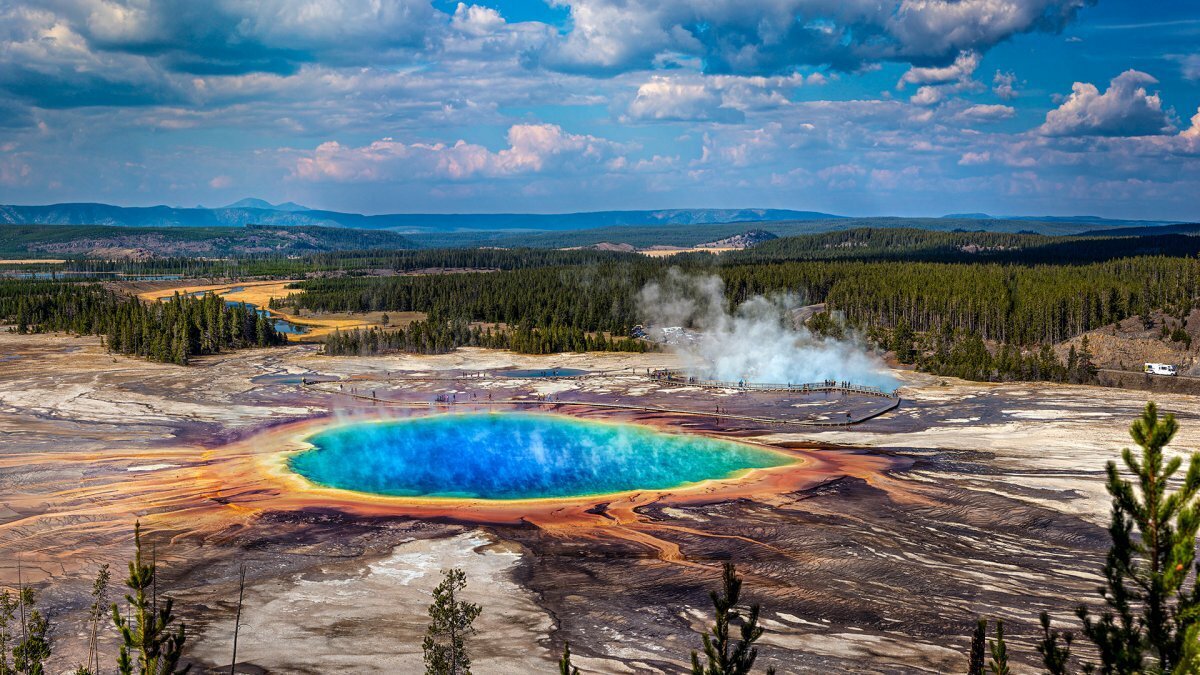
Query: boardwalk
[[678, 378], [360, 389]]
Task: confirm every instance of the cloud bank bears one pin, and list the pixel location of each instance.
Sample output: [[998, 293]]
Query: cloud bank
[[531, 148], [847, 106], [770, 36]]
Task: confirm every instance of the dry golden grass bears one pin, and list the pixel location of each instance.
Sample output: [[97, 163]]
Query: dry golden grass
[[260, 294], [32, 261], [668, 252]]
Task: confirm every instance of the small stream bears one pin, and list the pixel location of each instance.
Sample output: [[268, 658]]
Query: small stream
[[281, 325]]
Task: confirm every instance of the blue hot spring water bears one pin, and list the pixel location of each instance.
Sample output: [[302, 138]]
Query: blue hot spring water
[[545, 372], [516, 456]]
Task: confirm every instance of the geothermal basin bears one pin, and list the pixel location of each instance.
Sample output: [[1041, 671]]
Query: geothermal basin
[[517, 456]]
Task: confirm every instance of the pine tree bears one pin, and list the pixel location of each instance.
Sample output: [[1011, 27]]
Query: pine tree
[[564, 664], [999, 649], [1086, 368], [902, 342], [1054, 656], [147, 632], [1189, 661], [450, 625], [722, 657], [1152, 618], [33, 648], [8, 612], [96, 612], [978, 648]]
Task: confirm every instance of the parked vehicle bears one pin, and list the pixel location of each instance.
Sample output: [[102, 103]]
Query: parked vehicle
[[1160, 369]]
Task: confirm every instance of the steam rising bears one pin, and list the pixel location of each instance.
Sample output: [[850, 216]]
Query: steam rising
[[756, 341], [516, 456]]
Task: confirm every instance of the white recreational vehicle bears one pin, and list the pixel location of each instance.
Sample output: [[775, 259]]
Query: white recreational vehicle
[[1159, 369]]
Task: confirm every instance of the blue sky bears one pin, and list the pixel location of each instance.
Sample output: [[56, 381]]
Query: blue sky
[[860, 107]]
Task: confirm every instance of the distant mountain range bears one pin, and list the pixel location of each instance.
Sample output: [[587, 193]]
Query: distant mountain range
[[126, 242], [112, 242], [1079, 220], [667, 227], [252, 203], [1190, 229], [258, 212]]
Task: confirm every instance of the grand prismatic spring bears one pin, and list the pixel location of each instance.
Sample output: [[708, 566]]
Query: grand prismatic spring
[[516, 456]]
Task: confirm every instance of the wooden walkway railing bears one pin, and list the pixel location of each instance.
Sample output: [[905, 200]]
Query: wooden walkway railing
[[676, 377], [555, 404]]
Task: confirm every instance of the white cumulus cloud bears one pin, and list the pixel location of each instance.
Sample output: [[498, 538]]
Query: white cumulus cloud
[[664, 98], [963, 67], [532, 148], [1126, 108], [772, 36], [985, 113], [1004, 85], [476, 20]]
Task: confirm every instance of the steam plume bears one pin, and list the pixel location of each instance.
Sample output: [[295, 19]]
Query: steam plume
[[755, 341]]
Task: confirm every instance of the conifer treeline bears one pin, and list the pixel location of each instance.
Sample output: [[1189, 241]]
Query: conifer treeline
[[170, 331], [350, 262], [1009, 304], [868, 244], [879, 244], [1005, 303], [592, 298], [966, 356], [443, 336]]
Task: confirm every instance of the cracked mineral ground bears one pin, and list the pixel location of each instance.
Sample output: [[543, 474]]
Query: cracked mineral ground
[[873, 553]]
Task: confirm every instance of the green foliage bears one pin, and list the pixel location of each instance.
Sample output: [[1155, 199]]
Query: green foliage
[[981, 649], [31, 637], [586, 298], [988, 292], [345, 262], [1081, 369], [171, 331], [440, 337], [965, 355], [1150, 622], [960, 246], [902, 343], [564, 664], [999, 650], [1022, 307], [57, 241], [826, 324], [1189, 660], [8, 633], [975, 663], [1055, 648], [724, 656], [450, 625], [96, 612], [149, 642]]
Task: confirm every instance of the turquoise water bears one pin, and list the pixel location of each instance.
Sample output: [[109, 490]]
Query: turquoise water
[[516, 456], [281, 325], [545, 372]]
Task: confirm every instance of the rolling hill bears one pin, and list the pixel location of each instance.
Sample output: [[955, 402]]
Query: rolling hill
[[136, 243], [258, 212]]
